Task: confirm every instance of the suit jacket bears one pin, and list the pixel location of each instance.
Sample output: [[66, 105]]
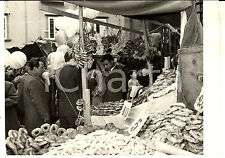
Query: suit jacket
[[11, 117], [33, 101], [67, 78], [109, 95]]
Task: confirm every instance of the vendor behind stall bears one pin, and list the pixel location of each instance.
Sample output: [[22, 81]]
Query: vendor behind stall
[[115, 80], [157, 65]]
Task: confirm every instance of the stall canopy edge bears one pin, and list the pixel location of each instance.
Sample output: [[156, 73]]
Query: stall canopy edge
[[135, 8]]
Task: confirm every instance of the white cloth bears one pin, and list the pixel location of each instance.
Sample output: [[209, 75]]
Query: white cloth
[[56, 59], [183, 24]]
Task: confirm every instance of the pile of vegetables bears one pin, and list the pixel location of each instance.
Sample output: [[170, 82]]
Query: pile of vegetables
[[177, 126], [107, 108], [103, 142]]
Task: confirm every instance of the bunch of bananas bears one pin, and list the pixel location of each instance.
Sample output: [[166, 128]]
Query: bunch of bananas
[[82, 58]]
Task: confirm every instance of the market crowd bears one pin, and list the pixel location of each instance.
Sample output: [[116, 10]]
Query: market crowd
[[47, 90]]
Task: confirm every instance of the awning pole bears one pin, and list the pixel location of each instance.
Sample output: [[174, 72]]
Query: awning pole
[[147, 50], [85, 91]]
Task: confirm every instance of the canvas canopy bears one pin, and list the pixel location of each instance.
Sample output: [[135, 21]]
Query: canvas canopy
[[135, 8]]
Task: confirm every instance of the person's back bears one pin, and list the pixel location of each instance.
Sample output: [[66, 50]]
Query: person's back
[[11, 117], [68, 81]]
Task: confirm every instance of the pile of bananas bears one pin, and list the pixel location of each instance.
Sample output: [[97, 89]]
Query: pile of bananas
[[82, 58], [42, 139], [178, 126], [90, 45], [103, 142], [107, 108]]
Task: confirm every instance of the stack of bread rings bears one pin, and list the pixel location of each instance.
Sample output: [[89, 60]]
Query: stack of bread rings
[[17, 142], [40, 141], [177, 126]]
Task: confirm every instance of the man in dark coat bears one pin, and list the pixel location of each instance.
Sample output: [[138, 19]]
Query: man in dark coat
[[115, 79], [11, 117], [68, 80], [33, 100]]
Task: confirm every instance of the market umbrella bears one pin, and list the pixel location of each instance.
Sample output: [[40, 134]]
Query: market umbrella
[[48, 47], [13, 49], [33, 50]]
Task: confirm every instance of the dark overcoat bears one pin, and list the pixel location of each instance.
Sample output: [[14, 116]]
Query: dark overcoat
[[68, 81], [11, 117], [114, 80], [33, 101]]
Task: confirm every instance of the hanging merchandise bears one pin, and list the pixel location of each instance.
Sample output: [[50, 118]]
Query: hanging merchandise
[[183, 23], [100, 46], [63, 49], [108, 41], [155, 39], [74, 40], [84, 57], [15, 60], [56, 59], [137, 50], [90, 13], [80, 106], [71, 27], [81, 58], [7, 60], [60, 38], [59, 23]]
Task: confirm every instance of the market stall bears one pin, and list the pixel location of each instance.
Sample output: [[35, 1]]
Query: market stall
[[150, 122]]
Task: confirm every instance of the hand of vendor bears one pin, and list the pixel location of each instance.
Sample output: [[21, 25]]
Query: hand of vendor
[[105, 73]]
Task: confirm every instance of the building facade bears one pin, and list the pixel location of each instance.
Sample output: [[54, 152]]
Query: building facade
[[24, 22]]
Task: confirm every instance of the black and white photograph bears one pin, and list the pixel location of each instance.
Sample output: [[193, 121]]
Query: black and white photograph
[[107, 78]]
